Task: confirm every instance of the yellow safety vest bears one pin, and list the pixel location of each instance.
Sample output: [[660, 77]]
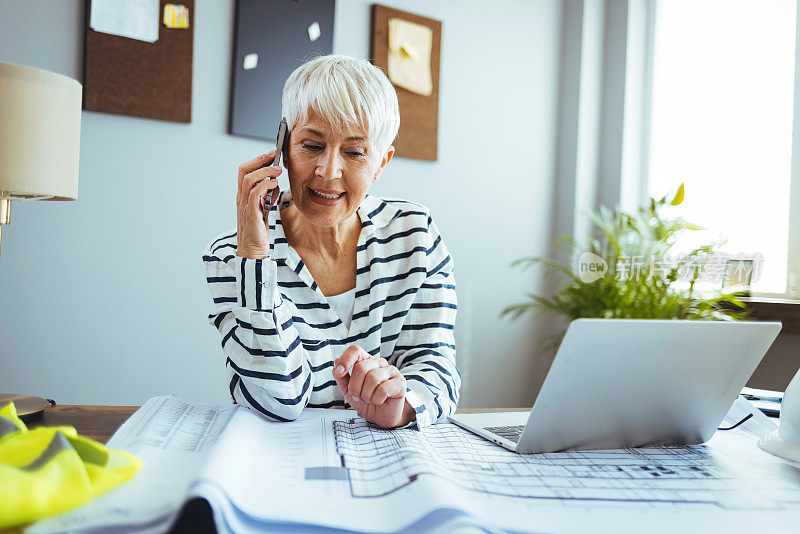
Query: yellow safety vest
[[49, 470]]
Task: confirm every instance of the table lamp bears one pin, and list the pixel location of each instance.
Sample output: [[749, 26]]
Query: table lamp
[[40, 128]]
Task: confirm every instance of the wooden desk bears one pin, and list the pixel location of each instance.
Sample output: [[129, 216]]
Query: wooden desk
[[96, 422], [100, 422]]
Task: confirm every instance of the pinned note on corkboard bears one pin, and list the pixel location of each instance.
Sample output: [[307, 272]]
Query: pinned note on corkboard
[[407, 47], [138, 58]]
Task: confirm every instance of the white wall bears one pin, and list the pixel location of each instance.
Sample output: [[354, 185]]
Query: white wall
[[103, 301]]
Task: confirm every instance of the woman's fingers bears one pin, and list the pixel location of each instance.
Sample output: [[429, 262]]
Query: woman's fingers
[[342, 382], [359, 375], [394, 388], [254, 201], [344, 363], [375, 378], [257, 177], [246, 168]]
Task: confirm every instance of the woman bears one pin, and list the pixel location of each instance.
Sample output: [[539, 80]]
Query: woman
[[343, 298]]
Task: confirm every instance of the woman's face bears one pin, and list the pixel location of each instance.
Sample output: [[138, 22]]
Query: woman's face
[[330, 172]]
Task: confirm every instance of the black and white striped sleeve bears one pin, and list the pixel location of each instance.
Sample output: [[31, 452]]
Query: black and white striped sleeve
[[268, 367], [425, 352]]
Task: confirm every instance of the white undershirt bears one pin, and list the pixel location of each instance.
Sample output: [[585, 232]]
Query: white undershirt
[[343, 305]]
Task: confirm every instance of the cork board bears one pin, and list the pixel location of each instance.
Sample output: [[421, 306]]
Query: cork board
[[138, 78], [419, 114]]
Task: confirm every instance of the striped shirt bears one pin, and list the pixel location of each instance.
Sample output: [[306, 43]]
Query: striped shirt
[[280, 335]]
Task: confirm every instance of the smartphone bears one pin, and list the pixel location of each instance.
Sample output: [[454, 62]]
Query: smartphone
[[280, 143]]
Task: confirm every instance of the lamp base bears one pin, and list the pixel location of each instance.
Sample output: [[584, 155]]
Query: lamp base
[[5, 211], [28, 408]]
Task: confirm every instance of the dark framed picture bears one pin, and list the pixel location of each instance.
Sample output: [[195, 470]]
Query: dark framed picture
[[271, 39]]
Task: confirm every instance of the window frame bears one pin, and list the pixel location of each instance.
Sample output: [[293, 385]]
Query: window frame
[[793, 258]]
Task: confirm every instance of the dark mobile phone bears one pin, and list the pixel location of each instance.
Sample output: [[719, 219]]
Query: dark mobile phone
[[280, 143]]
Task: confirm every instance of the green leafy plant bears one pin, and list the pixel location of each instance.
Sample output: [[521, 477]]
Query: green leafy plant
[[652, 292]]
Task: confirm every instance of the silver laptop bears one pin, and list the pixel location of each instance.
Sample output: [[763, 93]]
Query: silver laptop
[[618, 383]]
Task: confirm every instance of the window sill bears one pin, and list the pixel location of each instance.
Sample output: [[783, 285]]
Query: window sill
[[768, 309]]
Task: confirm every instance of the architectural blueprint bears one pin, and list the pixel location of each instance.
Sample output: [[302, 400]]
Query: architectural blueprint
[[380, 462], [333, 470]]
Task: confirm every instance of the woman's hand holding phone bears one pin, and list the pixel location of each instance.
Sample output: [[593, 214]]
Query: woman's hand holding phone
[[257, 177]]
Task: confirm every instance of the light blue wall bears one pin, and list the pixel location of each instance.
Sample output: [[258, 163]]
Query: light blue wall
[[104, 299]]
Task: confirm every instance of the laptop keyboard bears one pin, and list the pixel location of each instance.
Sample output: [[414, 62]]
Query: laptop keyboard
[[511, 433]]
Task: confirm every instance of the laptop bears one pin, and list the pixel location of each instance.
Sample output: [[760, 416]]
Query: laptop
[[619, 383]]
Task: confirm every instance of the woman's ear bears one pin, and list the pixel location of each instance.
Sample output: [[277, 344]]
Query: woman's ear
[[387, 157], [286, 142]]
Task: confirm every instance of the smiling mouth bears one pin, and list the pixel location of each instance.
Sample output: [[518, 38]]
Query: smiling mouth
[[326, 195]]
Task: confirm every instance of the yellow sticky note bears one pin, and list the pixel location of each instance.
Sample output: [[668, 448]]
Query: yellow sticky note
[[176, 16], [410, 56]]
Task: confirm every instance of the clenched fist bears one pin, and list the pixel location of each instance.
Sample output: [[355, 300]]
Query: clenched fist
[[374, 388]]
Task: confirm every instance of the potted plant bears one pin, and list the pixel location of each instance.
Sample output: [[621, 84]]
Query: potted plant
[[629, 269]]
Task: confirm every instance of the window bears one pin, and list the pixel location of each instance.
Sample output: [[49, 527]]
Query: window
[[721, 111]]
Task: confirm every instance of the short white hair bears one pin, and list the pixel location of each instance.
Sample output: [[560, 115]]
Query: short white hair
[[350, 93]]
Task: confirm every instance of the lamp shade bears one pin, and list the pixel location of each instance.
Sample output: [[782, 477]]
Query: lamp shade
[[40, 129]]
